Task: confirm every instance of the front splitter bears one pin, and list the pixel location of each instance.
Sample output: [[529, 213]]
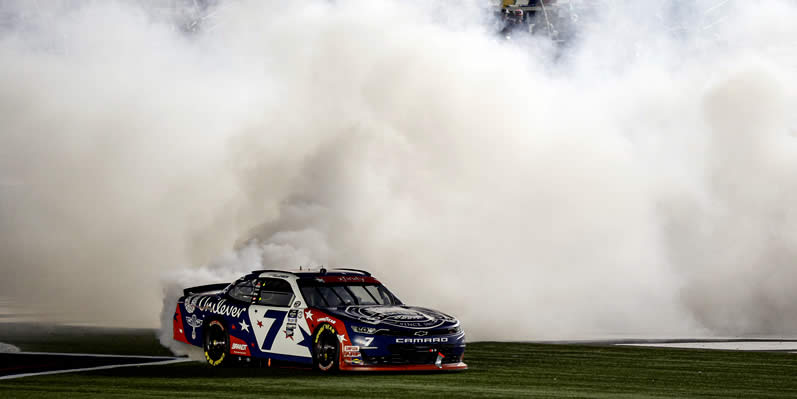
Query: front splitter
[[409, 367]]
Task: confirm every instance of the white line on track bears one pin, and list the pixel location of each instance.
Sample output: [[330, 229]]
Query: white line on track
[[95, 355], [113, 366]]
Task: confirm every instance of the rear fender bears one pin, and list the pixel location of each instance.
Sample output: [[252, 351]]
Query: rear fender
[[177, 326]]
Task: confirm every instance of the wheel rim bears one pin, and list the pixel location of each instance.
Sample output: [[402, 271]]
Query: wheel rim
[[216, 343], [326, 350]]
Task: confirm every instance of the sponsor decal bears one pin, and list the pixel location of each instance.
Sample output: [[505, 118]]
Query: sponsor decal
[[194, 322], [421, 333], [347, 279], [349, 348], [421, 340], [238, 346], [289, 328], [221, 308], [353, 360], [291, 324], [439, 361], [297, 304], [209, 304], [326, 319], [190, 303]]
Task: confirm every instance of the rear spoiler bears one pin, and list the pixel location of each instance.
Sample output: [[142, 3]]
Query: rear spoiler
[[205, 288]]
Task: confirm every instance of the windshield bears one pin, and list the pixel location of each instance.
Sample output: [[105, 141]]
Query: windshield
[[323, 295]]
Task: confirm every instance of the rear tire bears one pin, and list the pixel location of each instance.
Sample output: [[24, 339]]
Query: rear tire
[[217, 344], [326, 349]]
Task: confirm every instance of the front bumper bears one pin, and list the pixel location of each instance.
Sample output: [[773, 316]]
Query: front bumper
[[388, 353], [404, 354]]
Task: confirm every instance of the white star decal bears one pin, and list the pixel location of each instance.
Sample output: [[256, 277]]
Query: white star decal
[[341, 338], [244, 326], [309, 315]]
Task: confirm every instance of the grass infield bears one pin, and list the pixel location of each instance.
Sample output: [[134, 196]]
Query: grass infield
[[496, 370]]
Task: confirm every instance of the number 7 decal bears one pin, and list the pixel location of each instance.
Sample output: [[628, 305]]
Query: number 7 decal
[[278, 317]]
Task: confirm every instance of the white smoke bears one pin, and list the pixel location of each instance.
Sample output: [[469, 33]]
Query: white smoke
[[637, 180], [8, 348]]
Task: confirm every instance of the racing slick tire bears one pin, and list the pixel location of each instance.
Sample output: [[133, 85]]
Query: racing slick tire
[[217, 344], [326, 349]]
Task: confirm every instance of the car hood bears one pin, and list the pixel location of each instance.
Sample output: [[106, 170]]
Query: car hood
[[401, 317]]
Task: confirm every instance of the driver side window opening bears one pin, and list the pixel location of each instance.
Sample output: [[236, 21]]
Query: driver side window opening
[[275, 292], [244, 291]]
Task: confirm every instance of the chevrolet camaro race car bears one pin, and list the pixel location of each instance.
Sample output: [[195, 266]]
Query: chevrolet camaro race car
[[343, 319]]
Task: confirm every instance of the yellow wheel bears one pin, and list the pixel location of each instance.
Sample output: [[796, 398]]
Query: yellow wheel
[[217, 344]]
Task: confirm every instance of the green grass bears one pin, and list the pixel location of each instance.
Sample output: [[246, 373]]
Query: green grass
[[496, 370]]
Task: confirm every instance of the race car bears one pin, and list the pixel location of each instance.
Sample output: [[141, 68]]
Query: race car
[[341, 319]]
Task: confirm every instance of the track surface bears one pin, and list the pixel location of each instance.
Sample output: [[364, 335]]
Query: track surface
[[509, 370], [539, 370]]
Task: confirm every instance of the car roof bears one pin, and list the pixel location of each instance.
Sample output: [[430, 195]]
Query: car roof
[[309, 274]]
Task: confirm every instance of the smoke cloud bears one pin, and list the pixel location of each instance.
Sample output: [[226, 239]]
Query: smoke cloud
[[638, 180]]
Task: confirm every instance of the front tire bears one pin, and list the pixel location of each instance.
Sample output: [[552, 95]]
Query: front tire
[[217, 344], [326, 349]]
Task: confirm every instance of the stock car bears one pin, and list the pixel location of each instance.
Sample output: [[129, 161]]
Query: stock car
[[341, 319]]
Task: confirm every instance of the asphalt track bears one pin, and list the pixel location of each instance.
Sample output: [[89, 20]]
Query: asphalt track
[[25, 364]]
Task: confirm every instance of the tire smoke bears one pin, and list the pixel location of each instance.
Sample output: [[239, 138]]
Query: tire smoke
[[637, 180]]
